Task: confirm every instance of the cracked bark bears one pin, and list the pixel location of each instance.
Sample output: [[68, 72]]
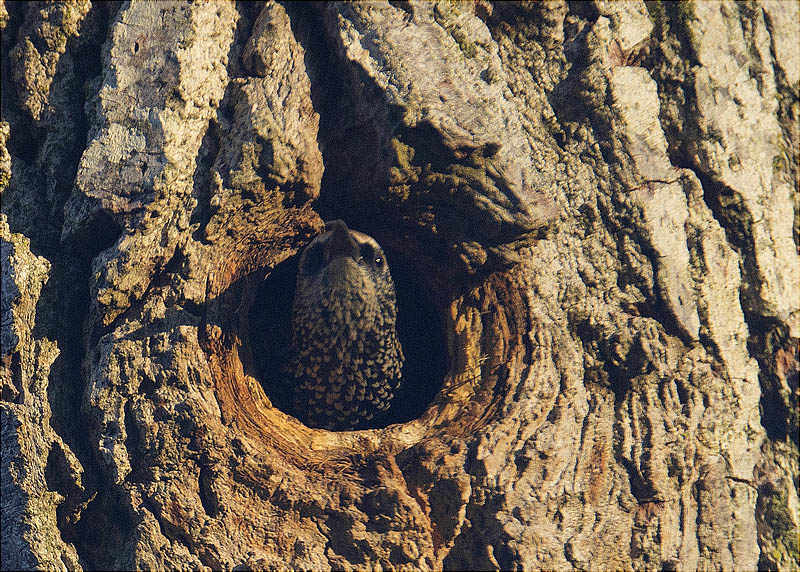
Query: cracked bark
[[592, 213]]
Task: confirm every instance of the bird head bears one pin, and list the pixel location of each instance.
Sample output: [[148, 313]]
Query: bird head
[[342, 259]]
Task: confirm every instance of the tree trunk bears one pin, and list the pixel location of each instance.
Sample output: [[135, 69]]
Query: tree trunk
[[591, 212]]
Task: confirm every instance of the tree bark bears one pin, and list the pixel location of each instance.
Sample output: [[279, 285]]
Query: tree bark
[[592, 214]]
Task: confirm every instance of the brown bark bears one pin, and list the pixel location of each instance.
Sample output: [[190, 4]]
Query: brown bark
[[591, 214]]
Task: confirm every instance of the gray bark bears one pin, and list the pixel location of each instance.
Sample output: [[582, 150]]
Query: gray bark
[[598, 201]]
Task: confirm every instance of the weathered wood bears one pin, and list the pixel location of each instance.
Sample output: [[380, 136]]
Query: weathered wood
[[598, 202]]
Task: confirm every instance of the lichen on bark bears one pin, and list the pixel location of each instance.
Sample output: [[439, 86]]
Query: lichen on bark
[[597, 201]]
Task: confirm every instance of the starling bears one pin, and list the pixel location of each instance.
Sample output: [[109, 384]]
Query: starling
[[346, 359]]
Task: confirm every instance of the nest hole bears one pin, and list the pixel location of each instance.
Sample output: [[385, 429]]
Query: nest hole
[[420, 328]]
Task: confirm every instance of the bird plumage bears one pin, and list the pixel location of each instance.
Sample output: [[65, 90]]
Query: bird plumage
[[346, 357]]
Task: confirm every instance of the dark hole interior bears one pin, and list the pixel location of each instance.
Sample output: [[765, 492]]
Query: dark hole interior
[[419, 326]]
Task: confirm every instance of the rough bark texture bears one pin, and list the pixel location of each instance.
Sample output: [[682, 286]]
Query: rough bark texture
[[600, 199]]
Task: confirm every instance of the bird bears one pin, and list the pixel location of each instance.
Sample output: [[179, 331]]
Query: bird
[[346, 359]]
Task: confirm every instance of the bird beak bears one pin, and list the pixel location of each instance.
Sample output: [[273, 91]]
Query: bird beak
[[340, 242]]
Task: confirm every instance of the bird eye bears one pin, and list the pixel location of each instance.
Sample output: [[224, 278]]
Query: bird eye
[[313, 259], [371, 254]]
